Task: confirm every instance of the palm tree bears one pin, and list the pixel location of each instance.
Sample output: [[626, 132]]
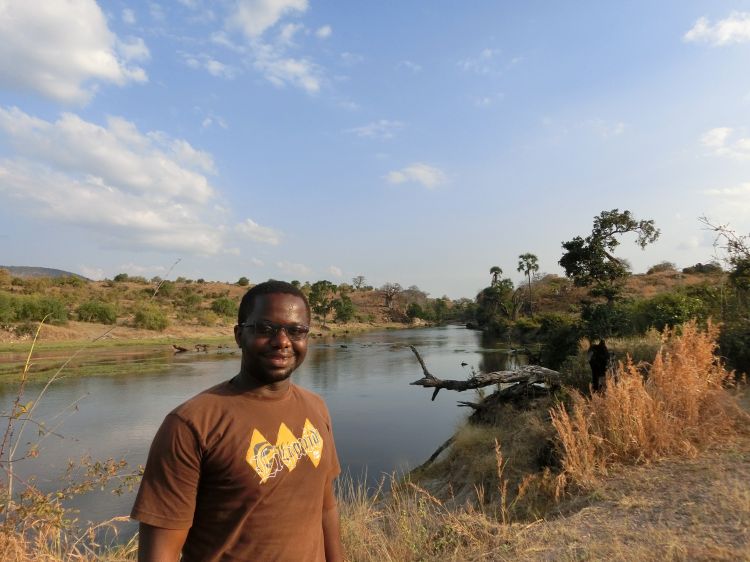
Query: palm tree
[[527, 264]]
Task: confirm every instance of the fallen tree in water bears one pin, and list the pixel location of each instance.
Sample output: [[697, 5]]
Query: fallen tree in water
[[528, 380]]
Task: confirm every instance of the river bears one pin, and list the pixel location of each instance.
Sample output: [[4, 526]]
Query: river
[[381, 424]]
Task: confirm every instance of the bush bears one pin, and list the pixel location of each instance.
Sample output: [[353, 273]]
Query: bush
[[150, 318], [120, 278], [712, 267], [559, 335], [415, 311], [35, 308], [166, 289], [665, 310], [224, 306], [97, 311], [662, 267], [7, 308], [343, 309], [734, 345], [206, 318], [243, 282], [603, 320], [191, 301]]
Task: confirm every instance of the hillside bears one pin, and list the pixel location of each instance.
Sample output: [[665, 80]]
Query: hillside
[[27, 272]]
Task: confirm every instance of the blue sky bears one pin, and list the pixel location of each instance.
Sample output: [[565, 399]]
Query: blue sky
[[410, 142]]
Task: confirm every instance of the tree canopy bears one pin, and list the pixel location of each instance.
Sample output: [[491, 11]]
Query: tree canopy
[[589, 261]]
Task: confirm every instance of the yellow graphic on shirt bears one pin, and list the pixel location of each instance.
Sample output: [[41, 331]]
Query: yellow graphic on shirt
[[268, 460]]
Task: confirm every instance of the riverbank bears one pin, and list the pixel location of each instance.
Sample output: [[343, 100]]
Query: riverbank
[[98, 349]]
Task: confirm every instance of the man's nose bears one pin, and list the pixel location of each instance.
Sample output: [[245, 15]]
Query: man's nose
[[281, 339]]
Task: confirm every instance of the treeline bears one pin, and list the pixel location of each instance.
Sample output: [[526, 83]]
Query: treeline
[[156, 303], [600, 298]]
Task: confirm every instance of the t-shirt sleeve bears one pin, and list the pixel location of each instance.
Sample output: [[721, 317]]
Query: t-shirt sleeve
[[166, 497]]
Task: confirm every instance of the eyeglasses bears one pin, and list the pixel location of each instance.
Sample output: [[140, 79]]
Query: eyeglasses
[[268, 329]]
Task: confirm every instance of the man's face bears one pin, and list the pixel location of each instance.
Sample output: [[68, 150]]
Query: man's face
[[272, 359]]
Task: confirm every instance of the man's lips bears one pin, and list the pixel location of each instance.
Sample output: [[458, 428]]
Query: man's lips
[[278, 358]]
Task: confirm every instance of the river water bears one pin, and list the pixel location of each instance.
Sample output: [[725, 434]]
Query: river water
[[381, 424]]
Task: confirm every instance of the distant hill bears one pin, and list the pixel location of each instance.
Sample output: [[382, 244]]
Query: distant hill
[[27, 272]]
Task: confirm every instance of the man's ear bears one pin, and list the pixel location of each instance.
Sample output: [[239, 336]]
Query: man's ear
[[238, 335]]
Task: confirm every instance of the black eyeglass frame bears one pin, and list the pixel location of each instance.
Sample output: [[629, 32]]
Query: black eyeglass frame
[[276, 328]]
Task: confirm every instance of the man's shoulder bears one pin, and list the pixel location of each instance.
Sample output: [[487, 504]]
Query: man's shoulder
[[210, 399]]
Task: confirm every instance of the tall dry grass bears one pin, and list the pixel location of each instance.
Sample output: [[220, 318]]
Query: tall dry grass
[[681, 406]]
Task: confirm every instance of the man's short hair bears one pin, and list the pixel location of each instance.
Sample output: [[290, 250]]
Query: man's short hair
[[272, 286]]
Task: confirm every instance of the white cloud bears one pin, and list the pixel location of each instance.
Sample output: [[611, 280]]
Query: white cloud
[[424, 174], [281, 70], [134, 49], [351, 59], [480, 64], [128, 16], [288, 31], [93, 273], [259, 233], [382, 129], [335, 271], [130, 189], [606, 129], [732, 203], [210, 65], [293, 268], [253, 17], [734, 29], [324, 32], [214, 119], [61, 49], [409, 65], [718, 140]]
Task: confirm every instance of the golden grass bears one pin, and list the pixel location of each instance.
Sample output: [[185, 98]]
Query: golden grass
[[680, 408]]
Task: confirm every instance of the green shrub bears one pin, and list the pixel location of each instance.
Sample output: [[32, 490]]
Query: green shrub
[[191, 301], [559, 335], [97, 311], [666, 309], [206, 318], [662, 267], [166, 289], [243, 282], [734, 345], [150, 318], [35, 308], [224, 306], [120, 277], [343, 309], [7, 308], [414, 310]]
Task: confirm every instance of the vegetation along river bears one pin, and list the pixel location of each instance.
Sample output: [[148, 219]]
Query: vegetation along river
[[381, 423]]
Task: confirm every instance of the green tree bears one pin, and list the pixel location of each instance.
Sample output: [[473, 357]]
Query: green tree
[[97, 311], [321, 298], [343, 308], [528, 265], [243, 281], [590, 262], [496, 272], [224, 306], [120, 277]]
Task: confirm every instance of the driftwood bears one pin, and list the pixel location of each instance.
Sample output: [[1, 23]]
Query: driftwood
[[527, 376], [179, 348]]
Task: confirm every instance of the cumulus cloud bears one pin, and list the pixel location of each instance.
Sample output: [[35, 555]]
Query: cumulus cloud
[[259, 233], [62, 49], [381, 129], [719, 140], [253, 17], [281, 70], [734, 29], [293, 268], [324, 32], [335, 271], [424, 174], [129, 188]]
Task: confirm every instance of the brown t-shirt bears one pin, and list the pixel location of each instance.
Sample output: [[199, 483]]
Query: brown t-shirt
[[249, 476]]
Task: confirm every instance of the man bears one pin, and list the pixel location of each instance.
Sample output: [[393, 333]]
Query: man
[[245, 469], [598, 361]]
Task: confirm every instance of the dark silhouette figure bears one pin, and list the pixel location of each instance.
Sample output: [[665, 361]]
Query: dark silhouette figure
[[598, 360]]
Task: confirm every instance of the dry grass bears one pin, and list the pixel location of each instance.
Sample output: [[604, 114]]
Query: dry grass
[[680, 408]]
